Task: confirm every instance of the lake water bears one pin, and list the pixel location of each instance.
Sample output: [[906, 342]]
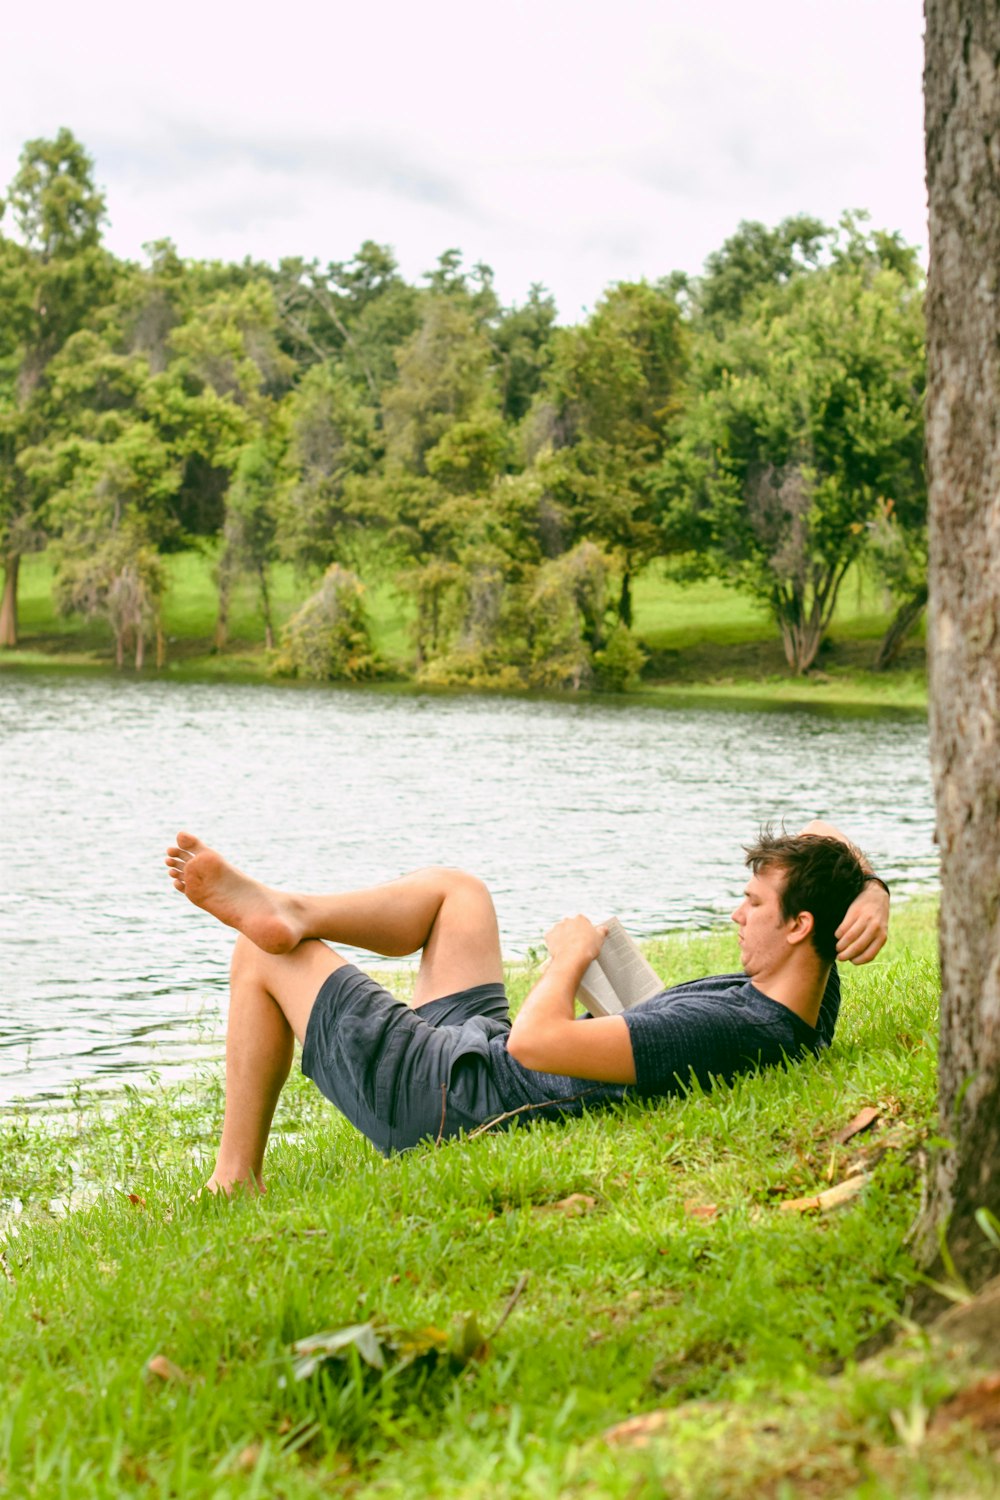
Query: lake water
[[107, 973]]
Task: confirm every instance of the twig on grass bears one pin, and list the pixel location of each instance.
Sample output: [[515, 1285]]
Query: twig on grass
[[444, 1106], [5, 1268], [512, 1301], [525, 1108]]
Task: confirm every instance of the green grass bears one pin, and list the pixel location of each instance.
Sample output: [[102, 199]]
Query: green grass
[[705, 642], [738, 1331]]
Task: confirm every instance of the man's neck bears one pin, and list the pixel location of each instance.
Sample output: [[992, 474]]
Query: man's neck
[[799, 984]]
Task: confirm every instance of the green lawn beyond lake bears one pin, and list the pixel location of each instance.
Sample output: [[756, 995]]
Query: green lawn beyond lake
[[704, 642]]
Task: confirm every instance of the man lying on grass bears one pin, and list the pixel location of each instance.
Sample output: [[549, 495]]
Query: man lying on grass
[[451, 1060]]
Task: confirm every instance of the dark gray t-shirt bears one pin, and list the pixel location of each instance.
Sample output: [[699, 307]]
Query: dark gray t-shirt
[[711, 1028]]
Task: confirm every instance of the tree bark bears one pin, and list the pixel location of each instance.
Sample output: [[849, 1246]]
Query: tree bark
[[962, 101], [902, 623], [8, 604]]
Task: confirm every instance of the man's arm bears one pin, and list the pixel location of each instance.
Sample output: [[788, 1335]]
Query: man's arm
[[546, 1037], [863, 932]]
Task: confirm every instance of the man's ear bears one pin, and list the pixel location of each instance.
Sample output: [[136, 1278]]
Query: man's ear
[[800, 928]]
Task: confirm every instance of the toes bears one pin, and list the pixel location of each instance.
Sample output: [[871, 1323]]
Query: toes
[[187, 841]]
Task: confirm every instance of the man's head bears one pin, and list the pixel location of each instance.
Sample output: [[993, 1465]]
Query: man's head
[[800, 887]]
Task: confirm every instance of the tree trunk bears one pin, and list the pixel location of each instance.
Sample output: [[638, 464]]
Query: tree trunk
[[625, 599], [161, 646], [801, 640], [140, 648], [962, 97], [903, 621], [265, 599], [119, 649], [8, 605], [222, 618]]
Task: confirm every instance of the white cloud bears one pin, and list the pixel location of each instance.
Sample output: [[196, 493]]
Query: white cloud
[[567, 143]]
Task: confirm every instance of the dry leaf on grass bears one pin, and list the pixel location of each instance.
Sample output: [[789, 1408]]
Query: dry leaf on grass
[[637, 1431], [863, 1120], [165, 1369], [979, 1406], [576, 1203], [706, 1211], [135, 1200], [829, 1198]]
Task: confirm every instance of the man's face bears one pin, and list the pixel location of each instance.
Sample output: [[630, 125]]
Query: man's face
[[763, 929]]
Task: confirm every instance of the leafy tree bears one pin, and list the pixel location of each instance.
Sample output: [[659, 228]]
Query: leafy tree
[[250, 542], [226, 371], [330, 440], [443, 378], [105, 482], [605, 420], [897, 549], [50, 281], [523, 342], [354, 313], [808, 417], [122, 581], [754, 261]]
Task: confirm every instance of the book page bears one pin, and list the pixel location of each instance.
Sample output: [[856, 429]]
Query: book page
[[619, 977]]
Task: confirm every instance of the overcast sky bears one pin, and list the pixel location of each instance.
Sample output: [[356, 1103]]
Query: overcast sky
[[571, 142]]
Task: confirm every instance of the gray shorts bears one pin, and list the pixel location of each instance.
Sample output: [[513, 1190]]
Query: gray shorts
[[400, 1075]]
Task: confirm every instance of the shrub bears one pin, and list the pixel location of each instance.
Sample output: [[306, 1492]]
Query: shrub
[[328, 639], [618, 664]]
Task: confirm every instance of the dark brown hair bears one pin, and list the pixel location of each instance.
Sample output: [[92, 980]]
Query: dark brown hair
[[822, 876]]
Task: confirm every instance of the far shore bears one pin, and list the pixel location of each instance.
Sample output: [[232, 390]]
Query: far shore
[[706, 646]]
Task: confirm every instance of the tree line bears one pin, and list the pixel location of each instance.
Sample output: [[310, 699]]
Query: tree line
[[761, 423]]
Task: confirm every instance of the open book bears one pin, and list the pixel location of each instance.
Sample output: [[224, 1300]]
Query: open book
[[619, 977]]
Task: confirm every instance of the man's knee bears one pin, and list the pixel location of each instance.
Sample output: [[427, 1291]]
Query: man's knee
[[468, 888], [246, 956]]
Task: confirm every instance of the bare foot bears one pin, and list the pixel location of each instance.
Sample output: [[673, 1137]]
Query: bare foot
[[248, 1183], [267, 917], [251, 1185]]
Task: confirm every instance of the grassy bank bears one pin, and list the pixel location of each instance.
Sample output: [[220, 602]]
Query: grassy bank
[[145, 1339], [705, 643]]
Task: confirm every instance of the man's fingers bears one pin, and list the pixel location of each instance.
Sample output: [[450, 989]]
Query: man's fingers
[[860, 947], [848, 935], [856, 939], [867, 954]]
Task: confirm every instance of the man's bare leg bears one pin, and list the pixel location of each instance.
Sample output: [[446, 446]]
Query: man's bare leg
[[270, 1001], [445, 914]]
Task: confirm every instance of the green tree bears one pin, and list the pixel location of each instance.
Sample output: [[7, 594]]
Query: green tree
[[330, 440], [754, 261], [443, 377], [250, 535], [51, 279], [226, 373], [354, 314], [897, 550], [523, 343], [605, 421], [808, 418]]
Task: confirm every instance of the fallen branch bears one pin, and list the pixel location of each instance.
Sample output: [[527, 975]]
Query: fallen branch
[[523, 1109]]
